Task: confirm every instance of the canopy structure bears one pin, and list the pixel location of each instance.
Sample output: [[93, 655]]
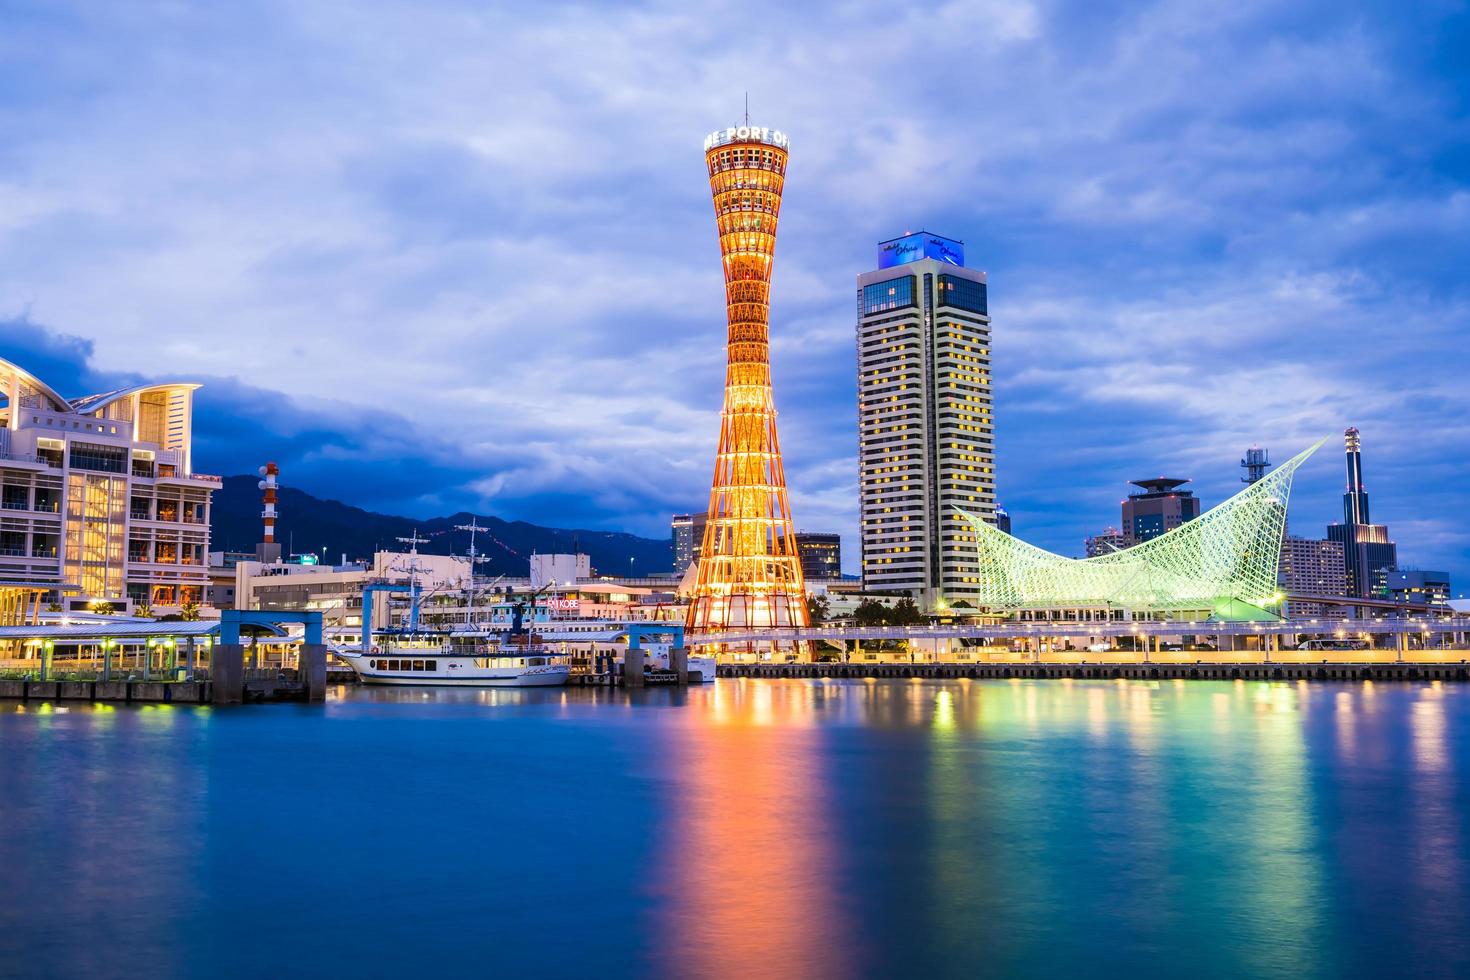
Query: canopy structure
[[1223, 562]]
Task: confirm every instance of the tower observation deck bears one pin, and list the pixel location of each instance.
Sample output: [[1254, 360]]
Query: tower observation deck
[[749, 571]]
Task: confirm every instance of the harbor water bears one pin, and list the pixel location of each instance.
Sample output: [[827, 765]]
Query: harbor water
[[749, 828]]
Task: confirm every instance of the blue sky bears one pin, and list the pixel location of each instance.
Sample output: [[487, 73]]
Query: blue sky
[[433, 255]]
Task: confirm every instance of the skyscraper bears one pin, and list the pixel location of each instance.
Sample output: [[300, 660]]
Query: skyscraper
[[1367, 550], [749, 569], [926, 447]]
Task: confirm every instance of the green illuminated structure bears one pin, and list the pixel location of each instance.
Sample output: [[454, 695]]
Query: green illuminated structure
[[1221, 564]]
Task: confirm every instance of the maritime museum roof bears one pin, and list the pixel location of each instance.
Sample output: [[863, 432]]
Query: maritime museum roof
[[1223, 561]]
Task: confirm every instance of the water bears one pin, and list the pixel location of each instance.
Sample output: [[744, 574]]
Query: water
[[746, 829]]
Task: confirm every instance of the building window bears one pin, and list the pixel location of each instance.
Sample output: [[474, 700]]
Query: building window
[[101, 459], [891, 294], [962, 294]]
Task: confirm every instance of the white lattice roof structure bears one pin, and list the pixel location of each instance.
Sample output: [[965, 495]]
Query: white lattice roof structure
[[1223, 561]]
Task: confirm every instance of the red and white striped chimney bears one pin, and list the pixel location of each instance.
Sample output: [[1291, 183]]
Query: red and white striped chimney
[[268, 515]]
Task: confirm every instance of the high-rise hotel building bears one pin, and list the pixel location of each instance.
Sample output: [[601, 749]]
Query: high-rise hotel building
[[926, 445], [98, 496]]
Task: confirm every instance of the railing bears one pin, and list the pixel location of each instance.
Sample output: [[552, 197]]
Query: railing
[[206, 478], [32, 458], [1108, 628]]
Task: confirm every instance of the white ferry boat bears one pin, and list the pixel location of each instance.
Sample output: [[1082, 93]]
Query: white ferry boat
[[454, 660]]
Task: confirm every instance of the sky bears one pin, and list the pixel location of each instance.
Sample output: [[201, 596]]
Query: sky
[[450, 254]]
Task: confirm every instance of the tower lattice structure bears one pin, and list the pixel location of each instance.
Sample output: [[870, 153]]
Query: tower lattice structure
[[749, 571]]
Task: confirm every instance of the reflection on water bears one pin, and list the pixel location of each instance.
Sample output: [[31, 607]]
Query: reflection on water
[[746, 828]]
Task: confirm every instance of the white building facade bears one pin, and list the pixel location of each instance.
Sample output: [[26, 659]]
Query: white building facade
[[99, 494], [926, 445]]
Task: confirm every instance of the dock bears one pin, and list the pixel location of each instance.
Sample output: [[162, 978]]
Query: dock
[[1256, 671]]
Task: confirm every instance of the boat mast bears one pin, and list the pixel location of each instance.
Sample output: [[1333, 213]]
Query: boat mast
[[474, 556], [413, 578]]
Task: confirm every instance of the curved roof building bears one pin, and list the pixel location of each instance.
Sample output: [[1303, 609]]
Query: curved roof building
[[100, 498], [1222, 563]]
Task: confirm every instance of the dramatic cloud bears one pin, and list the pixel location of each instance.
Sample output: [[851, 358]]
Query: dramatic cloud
[[439, 254]]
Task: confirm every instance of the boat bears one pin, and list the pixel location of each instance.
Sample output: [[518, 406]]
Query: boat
[[454, 660]]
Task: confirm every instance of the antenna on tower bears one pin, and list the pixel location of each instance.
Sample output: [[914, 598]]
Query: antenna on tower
[[747, 108]]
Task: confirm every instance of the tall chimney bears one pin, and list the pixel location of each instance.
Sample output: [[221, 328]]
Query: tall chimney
[[268, 551]]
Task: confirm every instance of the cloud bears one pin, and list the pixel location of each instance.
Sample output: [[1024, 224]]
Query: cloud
[[449, 253]]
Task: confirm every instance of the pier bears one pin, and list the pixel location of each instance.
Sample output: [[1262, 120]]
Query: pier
[[1254, 671]]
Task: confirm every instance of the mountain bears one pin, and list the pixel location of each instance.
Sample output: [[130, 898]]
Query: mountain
[[308, 523]]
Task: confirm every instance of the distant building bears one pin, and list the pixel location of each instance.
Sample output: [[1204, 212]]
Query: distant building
[[821, 555], [1256, 462], [926, 448], [1368, 552], [687, 532], [1160, 508], [100, 497], [336, 591], [559, 569], [1105, 542], [1312, 566], [1419, 586], [1002, 519]]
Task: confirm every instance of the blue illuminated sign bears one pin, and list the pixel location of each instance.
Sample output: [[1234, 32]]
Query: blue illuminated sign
[[921, 245]]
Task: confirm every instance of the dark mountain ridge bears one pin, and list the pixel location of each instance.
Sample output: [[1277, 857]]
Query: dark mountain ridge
[[331, 528]]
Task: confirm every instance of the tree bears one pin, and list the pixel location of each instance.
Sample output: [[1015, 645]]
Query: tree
[[817, 609], [189, 612], [144, 610], [103, 608], [870, 612], [905, 612]]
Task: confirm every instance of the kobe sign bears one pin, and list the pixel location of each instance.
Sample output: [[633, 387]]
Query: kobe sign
[[735, 133]]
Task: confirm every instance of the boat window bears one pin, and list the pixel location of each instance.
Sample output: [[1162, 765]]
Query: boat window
[[418, 665], [392, 665], [538, 661], [431, 665]]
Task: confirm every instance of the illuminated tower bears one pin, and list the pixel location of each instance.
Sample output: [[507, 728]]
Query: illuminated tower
[[749, 568]]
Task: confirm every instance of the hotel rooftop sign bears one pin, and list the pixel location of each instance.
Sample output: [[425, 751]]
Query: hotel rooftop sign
[[920, 245]]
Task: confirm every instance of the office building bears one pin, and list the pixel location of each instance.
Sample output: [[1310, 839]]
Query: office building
[[1158, 509], [1419, 587], [749, 572], [926, 447], [821, 555], [1368, 552], [1105, 542], [687, 533], [100, 499], [1312, 567]]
